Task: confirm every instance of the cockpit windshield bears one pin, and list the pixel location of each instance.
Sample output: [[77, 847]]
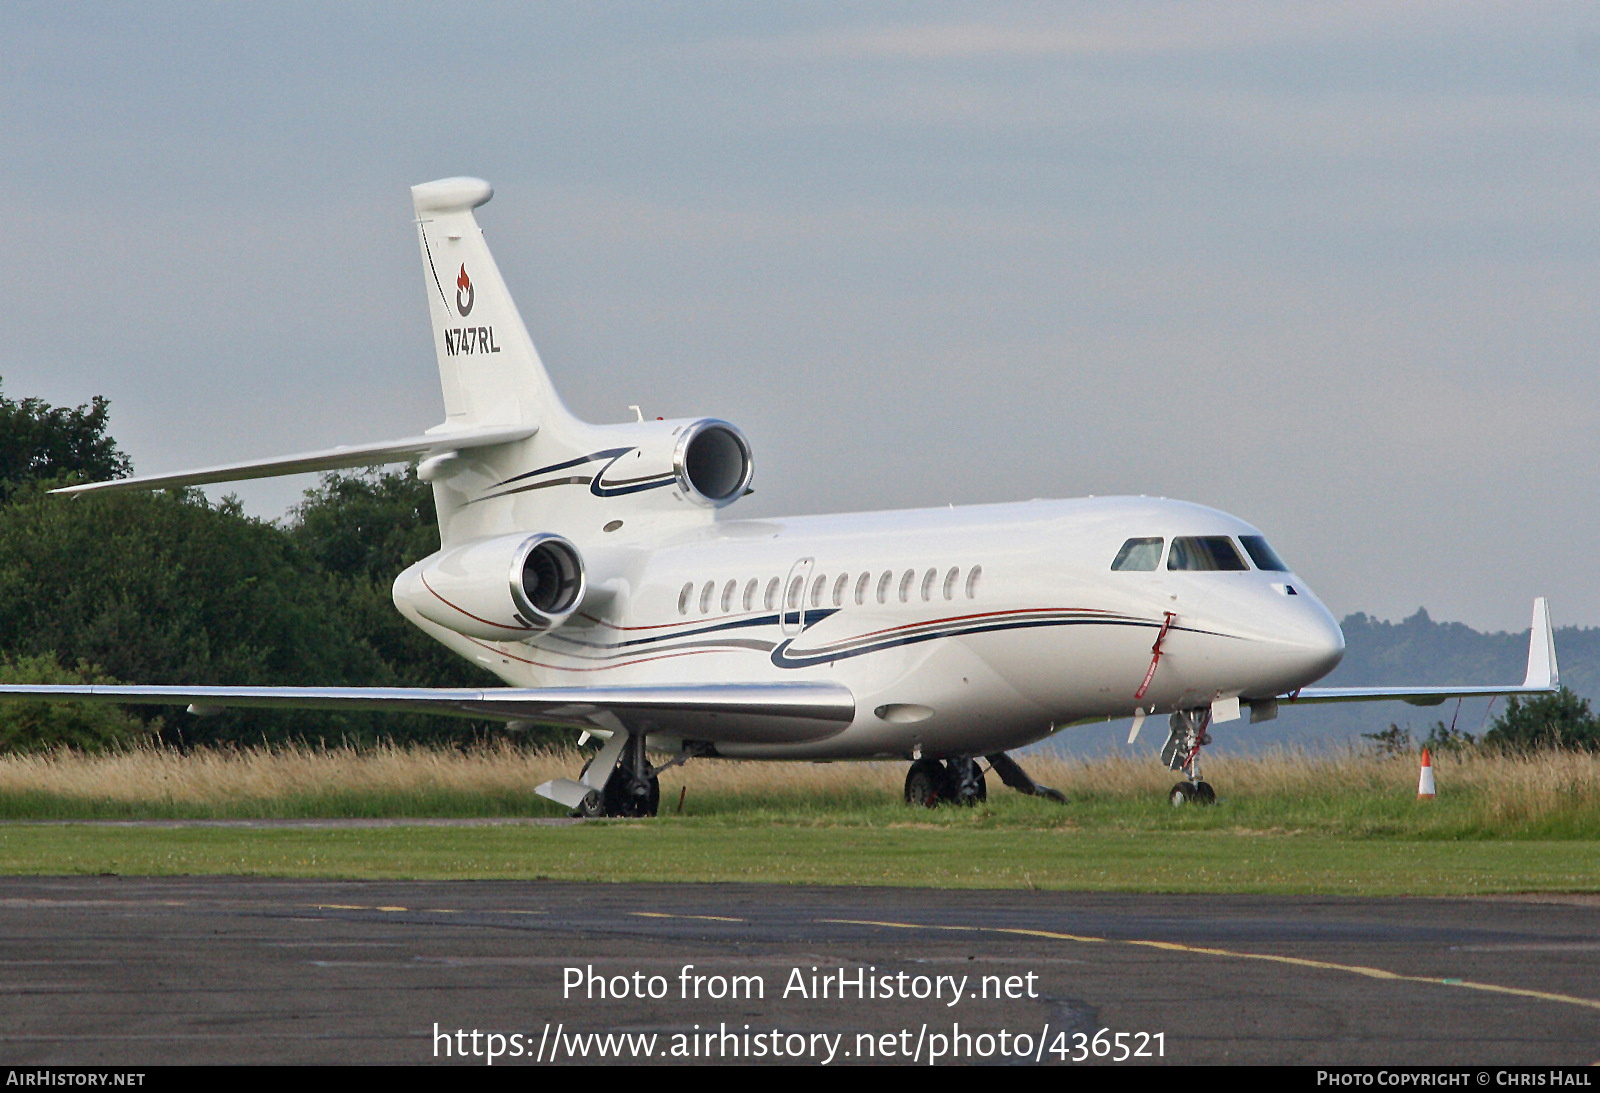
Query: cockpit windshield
[[1210, 552], [1263, 555], [1138, 554]]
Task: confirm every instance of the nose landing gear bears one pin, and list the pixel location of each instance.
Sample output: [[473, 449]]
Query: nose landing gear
[[1182, 753], [1192, 793]]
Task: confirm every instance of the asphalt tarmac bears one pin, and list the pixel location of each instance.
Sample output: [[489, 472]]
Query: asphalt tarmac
[[121, 971]]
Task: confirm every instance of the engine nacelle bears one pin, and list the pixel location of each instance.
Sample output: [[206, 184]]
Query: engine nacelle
[[708, 461], [712, 462], [503, 588]]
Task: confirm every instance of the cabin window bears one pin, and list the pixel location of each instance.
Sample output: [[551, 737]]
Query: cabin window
[[1207, 552], [950, 579], [1140, 554], [927, 584], [684, 597], [727, 595], [705, 596], [816, 590], [838, 589], [750, 594], [972, 581], [797, 589], [861, 588], [906, 580], [883, 586], [1262, 555], [770, 599]]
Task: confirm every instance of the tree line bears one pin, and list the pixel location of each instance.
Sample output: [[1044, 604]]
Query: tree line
[[168, 588]]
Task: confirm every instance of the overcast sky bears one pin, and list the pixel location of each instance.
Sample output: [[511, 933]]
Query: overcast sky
[[1331, 267]]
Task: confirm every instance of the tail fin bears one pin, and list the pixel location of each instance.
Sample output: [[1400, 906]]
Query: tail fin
[[488, 367]]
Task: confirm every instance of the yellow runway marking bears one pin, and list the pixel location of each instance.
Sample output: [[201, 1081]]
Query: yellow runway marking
[[1173, 946], [704, 918], [420, 910]]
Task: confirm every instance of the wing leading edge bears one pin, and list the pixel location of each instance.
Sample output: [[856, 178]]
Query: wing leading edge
[[753, 713], [329, 459], [1542, 676]]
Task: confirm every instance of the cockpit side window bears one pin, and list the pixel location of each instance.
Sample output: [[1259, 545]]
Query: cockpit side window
[[1209, 552], [1262, 555], [1138, 554]]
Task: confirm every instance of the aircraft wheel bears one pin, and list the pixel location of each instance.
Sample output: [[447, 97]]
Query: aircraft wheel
[[1181, 794], [591, 806], [1204, 794], [624, 799], [925, 783], [964, 783]]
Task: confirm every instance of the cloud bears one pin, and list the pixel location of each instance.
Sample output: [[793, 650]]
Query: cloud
[[1129, 30]]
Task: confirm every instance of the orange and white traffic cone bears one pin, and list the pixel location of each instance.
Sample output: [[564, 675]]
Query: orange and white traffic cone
[[1425, 782]]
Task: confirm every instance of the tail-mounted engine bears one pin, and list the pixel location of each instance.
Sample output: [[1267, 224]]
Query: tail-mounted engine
[[504, 588], [711, 461], [703, 461]]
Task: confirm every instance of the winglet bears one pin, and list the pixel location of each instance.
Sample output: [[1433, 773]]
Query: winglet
[[1542, 672]]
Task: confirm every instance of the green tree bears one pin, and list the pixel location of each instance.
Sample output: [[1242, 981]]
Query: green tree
[[37, 726], [1442, 737], [1561, 720], [363, 529], [1391, 741], [164, 588], [40, 442], [368, 524]]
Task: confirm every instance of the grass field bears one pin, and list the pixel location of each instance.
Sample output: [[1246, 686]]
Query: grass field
[[1283, 823]]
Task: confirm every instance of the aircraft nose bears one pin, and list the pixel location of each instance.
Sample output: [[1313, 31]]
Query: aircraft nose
[[1314, 641]]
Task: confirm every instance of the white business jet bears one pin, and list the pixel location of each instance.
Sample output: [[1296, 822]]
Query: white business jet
[[592, 569]]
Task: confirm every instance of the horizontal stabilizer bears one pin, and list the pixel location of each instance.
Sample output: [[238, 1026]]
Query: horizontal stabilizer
[[329, 459], [743, 713], [1542, 676]]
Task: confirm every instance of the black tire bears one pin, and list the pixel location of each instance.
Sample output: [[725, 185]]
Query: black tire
[[620, 800], [977, 791], [925, 783], [1182, 794], [591, 806], [1204, 794]]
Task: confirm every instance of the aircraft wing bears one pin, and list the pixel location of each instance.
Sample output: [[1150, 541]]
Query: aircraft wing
[[328, 459], [1542, 676], [753, 713]]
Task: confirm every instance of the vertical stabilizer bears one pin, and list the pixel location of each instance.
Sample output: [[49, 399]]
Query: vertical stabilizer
[[488, 367]]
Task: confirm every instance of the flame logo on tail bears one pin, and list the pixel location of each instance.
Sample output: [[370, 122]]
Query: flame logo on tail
[[464, 293]]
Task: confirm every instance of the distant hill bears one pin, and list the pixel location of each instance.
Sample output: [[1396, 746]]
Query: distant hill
[[1417, 651]]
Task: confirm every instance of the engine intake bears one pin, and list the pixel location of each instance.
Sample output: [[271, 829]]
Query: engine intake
[[547, 580], [712, 462], [505, 588]]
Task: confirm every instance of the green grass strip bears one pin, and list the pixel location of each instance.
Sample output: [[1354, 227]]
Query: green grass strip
[[923, 855]]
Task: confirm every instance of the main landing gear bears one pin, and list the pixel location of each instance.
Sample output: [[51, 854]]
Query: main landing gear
[[960, 780], [1182, 753], [633, 788]]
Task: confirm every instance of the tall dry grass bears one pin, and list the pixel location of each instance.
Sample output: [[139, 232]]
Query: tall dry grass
[[209, 776], [1504, 791]]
